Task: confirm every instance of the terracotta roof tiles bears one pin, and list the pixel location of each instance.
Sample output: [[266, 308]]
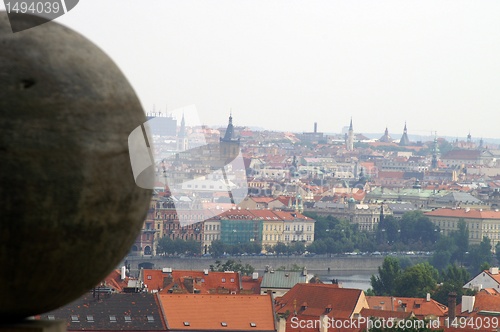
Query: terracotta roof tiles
[[218, 312]]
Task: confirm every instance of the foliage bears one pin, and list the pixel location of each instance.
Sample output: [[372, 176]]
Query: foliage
[[388, 274], [294, 267], [452, 280], [231, 265], [178, 246], [480, 254], [417, 281]]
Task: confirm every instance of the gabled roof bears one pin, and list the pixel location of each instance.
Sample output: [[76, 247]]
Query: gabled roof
[[494, 277], [186, 312], [187, 281], [125, 311], [485, 303], [314, 300], [419, 306], [114, 281]]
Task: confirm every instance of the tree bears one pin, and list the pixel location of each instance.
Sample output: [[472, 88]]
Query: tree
[[217, 248], [388, 274], [417, 281], [417, 228], [280, 248], [297, 247], [461, 240], [232, 265], [453, 278], [479, 254], [165, 246]]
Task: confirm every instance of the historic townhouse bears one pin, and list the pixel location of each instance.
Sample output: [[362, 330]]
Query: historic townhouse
[[479, 222]]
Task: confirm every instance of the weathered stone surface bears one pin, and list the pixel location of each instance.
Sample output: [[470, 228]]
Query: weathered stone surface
[[69, 207]]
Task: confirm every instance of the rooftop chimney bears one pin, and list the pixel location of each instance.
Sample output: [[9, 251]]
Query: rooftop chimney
[[428, 297], [494, 270], [123, 273], [452, 306], [315, 127], [467, 303]]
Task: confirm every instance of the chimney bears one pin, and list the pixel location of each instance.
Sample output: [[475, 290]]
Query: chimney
[[315, 127], [281, 324], [468, 303], [452, 306], [323, 325], [428, 297], [493, 270], [123, 273]]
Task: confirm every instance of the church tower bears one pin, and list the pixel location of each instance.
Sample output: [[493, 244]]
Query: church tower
[[230, 146], [435, 151], [182, 140], [404, 141], [350, 138]]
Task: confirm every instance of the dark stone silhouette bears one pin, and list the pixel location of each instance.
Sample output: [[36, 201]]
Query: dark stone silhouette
[[69, 206]]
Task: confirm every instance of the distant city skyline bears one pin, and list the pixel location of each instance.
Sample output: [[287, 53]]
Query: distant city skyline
[[283, 65]]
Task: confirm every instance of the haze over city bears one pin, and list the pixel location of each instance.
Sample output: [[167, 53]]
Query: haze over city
[[283, 65]]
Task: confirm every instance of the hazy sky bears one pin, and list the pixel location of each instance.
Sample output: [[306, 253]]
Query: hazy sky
[[285, 64]]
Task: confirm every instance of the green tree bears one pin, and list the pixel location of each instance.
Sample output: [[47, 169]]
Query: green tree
[[297, 247], [461, 240], [280, 248], [479, 254], [388, 274], [417, 281], [217, 248], [232, 265], [416, 228], [165, 246], [452, 278]]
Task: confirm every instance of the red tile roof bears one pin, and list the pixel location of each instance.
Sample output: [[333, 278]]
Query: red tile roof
[[114, 281], [484, 301], [314, 300], [182, 281], [210, 312], [419, 306], [464, 213]]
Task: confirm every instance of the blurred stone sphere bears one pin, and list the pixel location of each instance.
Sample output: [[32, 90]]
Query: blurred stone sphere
[[70, 209]]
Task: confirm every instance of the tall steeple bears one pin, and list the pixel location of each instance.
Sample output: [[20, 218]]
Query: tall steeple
[[182, 141], [435, 151], [229, 145], [350, 138], [404, 141], [229, 135]]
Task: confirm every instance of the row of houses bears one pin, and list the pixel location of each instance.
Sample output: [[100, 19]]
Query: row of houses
[[210, 301], [232, 225]]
